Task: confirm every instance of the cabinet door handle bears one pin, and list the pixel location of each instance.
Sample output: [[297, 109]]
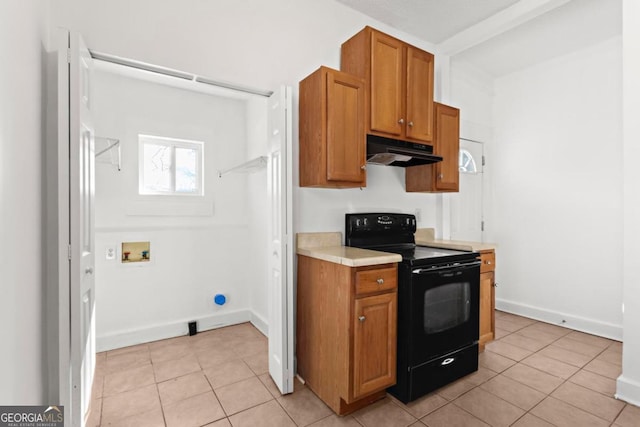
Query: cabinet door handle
[[488, 262], [363, 167], [401, 121], [495, 285], [410, 124], [440, 176], [380, 281], [361, 318]]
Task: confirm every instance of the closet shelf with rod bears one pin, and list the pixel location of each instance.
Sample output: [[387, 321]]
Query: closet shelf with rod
[[249, 166], [109, 149]]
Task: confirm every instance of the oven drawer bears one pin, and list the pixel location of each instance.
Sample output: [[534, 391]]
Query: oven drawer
[[488, 260], [381, 279], [442, 371]]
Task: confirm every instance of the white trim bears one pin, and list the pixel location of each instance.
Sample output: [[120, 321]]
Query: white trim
[[501, 22], [143, 227], [590, 326], [628, 390], [64, 280], [163, 331], [260, 323]]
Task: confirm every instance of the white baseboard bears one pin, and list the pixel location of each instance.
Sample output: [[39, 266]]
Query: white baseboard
[[260, 323], [628, 390], [590, 326], [169, 330]]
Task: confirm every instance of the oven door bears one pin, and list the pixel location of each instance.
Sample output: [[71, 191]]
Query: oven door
[[444, 309]]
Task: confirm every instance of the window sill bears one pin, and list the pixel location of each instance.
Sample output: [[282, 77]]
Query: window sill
[[169, 206]]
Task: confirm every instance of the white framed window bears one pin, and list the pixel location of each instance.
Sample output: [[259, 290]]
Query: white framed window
[[466, 162], [169, 166]]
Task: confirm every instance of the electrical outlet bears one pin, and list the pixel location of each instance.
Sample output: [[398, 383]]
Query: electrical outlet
[[418, 214], [111, 253]]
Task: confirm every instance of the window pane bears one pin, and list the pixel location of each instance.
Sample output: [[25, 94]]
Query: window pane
[[157, 167], [186, 170], [466, 162]]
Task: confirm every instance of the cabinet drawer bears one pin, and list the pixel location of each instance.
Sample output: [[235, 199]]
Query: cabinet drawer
[[488, 260], [381, 279]]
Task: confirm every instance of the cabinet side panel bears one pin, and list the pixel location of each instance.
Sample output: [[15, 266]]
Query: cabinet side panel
[[420, 178], [322, 332], [312, 114], [304, 324], [447, 146], [355, 55]]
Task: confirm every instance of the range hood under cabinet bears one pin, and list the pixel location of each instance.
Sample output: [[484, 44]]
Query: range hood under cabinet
[[378, 109]]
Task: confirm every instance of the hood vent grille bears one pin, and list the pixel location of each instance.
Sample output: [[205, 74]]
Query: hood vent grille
[[393, 152]]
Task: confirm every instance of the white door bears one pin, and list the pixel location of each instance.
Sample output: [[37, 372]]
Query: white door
[[77, 175], [466, 205], [280, 237]]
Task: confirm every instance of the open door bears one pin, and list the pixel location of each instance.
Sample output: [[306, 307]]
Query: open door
[[467, 204], [280, 236], [76, 217]]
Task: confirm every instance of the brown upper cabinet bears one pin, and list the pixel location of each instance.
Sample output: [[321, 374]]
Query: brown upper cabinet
[[399, 78], [332, 135], [443, 176]]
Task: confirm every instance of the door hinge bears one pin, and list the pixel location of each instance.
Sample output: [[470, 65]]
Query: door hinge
[[481, 225], [68, 56], [483, 160], [69, 252]]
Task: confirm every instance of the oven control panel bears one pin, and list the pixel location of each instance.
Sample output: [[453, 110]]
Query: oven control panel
[[365, 226]]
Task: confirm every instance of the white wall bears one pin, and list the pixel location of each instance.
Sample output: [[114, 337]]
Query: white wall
[[557, 190], [195, 254], [257, 251], [254, 43], [23, 45], [629, 381]]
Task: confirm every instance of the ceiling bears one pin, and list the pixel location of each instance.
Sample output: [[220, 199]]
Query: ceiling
[[498, 37], [430, 20]]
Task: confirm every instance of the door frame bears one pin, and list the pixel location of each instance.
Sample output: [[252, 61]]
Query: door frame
[[63, 222], [75, 377]]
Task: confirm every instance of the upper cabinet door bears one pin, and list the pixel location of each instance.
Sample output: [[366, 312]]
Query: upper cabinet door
[[387, 112], [419, 118], [345, 128], [331, 130], [447, 145]]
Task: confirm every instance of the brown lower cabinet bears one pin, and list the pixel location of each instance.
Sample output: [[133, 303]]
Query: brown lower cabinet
[[487, 297], [346, 331]]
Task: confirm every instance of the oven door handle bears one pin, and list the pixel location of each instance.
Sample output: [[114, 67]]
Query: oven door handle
[[439, 269]]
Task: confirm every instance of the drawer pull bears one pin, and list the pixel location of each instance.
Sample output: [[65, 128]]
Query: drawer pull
[[361, 318], [447, 361], [380, 281], [488, 262]]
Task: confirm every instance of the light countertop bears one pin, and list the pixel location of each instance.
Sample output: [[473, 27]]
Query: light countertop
[[351, 257], [425, 237], [326, 246]]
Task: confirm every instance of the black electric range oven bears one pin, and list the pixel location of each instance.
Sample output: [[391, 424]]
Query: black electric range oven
[[438, 303]]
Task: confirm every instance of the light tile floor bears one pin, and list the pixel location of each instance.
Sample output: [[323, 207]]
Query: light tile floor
[[534, 374]]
